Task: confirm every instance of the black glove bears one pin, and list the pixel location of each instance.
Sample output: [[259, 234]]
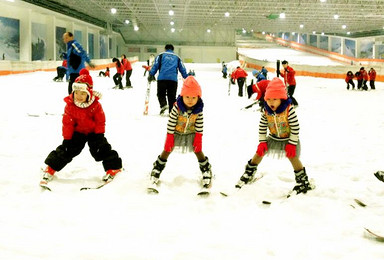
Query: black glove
[[232, 81], [151, 78]]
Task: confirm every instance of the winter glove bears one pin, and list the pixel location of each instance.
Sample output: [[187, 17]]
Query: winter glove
[[198, 142], [151, 78], [290, 150], [169, 143], [262, 148], [233, 81]]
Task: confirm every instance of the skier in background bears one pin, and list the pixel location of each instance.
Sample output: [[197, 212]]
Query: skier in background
[[76, 58], [83, 121], [62, 70], [279, 117], [117, 78], [289, 79], [185, 131], [105, 74], [167, 64], [128, 70], [372, 78], [349, 79], [240, 75]]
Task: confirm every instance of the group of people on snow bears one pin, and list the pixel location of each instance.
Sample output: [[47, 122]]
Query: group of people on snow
[[84, 120], [362, 77]]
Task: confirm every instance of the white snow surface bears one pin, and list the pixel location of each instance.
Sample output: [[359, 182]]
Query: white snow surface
[[342, 146]]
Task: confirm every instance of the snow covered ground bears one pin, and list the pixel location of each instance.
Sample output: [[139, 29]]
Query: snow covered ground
[[342, 145], [291, 55]]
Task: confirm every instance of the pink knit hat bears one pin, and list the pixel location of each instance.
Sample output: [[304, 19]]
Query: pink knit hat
[[191, 87], [276, 90]]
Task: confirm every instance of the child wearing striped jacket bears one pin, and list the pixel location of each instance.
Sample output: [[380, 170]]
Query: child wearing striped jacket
[[185, 131], [279, 117]]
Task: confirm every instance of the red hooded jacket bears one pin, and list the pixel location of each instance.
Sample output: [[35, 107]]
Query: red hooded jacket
[[85, 120]]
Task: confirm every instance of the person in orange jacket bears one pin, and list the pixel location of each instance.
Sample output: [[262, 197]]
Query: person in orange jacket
[[372, 78], [128, 70], [289, 79], [117, 78], [365, 78], [349, 79], [240, 75]]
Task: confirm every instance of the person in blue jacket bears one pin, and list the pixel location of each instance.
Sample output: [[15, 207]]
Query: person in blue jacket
[[258, 75], [76, 58], [168, 64]]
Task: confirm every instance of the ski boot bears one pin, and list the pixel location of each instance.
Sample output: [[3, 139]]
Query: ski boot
[[110, 175], [158, 167], [379, 175], [205, 168], [163, 109], [302, 183], [247, 176], [47, 176]]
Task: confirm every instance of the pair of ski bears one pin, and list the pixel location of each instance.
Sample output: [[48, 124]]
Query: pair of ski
[[266, 202], [153, 188], [44, 185]]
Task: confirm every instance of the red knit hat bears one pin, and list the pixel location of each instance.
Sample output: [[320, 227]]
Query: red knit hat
[[191, 87], [84, 83], [276, 90]]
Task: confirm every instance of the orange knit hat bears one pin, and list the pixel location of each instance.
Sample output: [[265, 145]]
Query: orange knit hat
[[276, 90], [191, 87]]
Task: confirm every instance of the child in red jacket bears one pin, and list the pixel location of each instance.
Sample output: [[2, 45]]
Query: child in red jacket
[[372, 78], [349, 79], [117, 78], [83, 121], [279, 117], [185, 131]]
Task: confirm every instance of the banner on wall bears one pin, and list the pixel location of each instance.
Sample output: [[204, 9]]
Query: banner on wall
[[91, 45], [9, 39], [39, 41], [60, 44], [103, 47], [366, 48], [79, 37], [350, 48], [313, 40], [336, 45], [324, 42]]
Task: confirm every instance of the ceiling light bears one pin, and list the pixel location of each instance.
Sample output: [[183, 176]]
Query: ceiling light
[[282, 15], [127, 21], [113, 10], [348, 33], [173, 29], [322, 33], [323, 1], [226, 14], [336, 16], [11, 1], [244, 31], [171, 12], [136, 28], [208, 30], [172, 23], [301, 25], [314, 32], [263, 32], [343, 26]]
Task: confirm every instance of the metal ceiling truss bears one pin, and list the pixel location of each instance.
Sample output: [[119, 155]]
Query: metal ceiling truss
[[362, 18]]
